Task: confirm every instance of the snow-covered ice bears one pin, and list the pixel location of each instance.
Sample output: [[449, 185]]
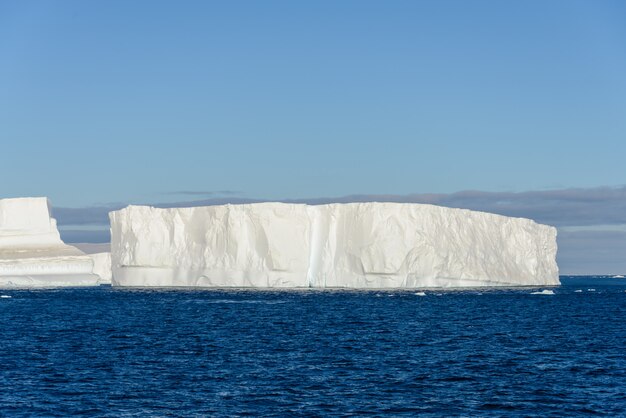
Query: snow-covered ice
[[31, 251], [102, 266], [357, 245], [101, 256]]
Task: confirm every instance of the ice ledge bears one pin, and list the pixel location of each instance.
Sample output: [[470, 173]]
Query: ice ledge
[[48, 281], [179, 277], [31, 251]]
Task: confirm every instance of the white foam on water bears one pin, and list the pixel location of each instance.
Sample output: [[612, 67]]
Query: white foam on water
[[591, 290], [420, 294], [577, 291], [544, 292], [5, 297]]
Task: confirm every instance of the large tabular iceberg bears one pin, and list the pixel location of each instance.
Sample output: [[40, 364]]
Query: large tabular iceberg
[[359, 245], [31, 251]]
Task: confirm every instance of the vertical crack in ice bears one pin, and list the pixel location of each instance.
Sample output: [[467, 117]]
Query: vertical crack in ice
[[315, 245]]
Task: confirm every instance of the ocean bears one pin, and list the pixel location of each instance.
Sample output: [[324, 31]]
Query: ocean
[[119, 352]]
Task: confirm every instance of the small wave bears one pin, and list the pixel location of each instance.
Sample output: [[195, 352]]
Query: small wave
[[264, 302], [544, 292], [420, 294], [5, 297], [591, 290], [577, 291]]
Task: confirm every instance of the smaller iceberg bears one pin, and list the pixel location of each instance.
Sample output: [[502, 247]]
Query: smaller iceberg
[[31, 251], [100, 254]]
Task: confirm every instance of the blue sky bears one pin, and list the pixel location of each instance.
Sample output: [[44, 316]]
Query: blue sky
[[106, 103]]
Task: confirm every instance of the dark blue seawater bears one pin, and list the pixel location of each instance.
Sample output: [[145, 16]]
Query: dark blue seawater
[[110, 352]]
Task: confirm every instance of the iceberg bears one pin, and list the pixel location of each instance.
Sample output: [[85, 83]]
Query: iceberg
[[357, 245], [100, 254], [31, 251], [102, 266]]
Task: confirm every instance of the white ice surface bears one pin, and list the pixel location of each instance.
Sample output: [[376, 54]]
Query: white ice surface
[[31, 251], [101, 256], [91, 248], [26, 222], [360, 245], [102, 266], [544, 292]]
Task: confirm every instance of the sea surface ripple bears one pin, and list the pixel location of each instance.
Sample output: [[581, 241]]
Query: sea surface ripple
[[109, 352]]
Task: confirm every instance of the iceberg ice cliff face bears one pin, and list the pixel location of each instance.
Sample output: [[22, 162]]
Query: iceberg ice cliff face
[[102, 266], [101, 256], [360, 245], [31, 251]]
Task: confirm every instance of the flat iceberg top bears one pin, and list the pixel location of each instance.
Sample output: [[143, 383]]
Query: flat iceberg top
[[58, 250], [356, 245]]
